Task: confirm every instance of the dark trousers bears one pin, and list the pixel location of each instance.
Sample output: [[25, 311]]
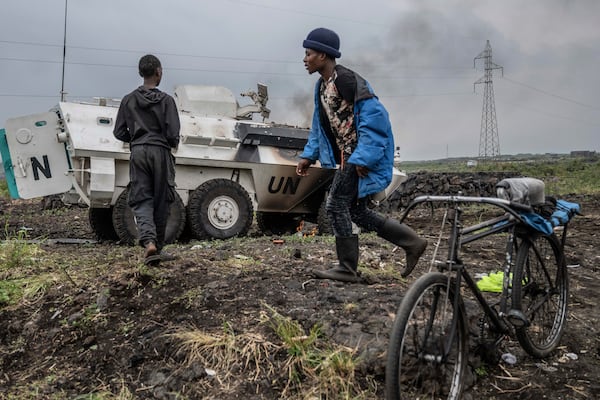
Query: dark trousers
[[151, 191], [343, 207]]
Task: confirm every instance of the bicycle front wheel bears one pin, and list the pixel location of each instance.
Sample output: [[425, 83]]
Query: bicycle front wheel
[[541, 291], [427, 353]]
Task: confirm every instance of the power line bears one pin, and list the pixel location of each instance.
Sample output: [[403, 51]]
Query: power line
[[115, 50], [426, 95], [421, 67], [551, 94], [381, 77], [132, 66], [553, 115], [30, 43], [262, 60], [270, 97], [27, 95], [158, 53]]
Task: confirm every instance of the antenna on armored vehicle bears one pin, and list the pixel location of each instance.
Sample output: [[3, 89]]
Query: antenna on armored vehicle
[[62, 86]]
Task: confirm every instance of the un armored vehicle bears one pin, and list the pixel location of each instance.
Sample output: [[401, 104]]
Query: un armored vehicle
[[229, 167]]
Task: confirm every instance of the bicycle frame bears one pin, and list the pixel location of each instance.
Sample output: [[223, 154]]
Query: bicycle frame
[[460, 236]]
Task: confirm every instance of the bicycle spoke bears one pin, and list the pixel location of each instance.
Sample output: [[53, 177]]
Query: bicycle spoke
[[427, 355], [540, 291]]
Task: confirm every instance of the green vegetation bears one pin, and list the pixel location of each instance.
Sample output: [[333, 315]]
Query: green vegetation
[[16, 252], [4, 189], [125, 394], [19, 277], [189, 297], [562, 175], [314, 367]]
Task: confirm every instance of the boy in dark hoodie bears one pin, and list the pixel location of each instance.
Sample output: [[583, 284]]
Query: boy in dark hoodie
[[148, 120]]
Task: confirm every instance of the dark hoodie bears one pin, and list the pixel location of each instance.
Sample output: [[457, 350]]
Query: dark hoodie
[[148, 116]]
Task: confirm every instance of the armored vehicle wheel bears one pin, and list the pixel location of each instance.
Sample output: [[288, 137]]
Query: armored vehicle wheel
[[124, 222], [219, 209], [273, 223], [101, 223]]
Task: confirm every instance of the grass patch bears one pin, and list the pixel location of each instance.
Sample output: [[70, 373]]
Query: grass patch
[[314, 367], [308, 365], [562, 175], [104, 393], [36, 391], [189, 297], [227, 352], [4, 193], [16, 252], [20, 277]]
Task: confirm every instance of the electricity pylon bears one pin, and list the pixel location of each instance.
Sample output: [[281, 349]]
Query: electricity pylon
[[489, 143]]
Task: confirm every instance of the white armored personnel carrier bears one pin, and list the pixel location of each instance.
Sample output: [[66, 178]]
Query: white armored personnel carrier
[[228, 166]]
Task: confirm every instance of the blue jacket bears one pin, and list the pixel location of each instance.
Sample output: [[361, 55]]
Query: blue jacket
[[375, 148]]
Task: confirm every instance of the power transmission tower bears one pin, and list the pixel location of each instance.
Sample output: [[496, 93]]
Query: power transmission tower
[[489, 143]]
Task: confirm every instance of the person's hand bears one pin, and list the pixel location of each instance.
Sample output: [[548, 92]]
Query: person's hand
[[302, 168], [362, 171]]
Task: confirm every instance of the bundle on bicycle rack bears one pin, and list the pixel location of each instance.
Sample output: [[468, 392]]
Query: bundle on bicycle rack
[[528, 191], [548, 212]]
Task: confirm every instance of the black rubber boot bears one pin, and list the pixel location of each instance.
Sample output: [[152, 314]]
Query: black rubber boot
[[403, 236], [346, 270]]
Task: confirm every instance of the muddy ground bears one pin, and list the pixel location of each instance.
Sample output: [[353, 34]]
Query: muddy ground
[[103, 325]]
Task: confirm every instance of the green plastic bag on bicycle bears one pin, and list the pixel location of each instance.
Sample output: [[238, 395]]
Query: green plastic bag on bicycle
[[491, 283]]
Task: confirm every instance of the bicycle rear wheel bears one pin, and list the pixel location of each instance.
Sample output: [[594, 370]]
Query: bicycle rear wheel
[[427, 353], [541, 291]]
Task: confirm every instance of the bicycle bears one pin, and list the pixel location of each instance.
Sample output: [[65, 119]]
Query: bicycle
[[427, 354]]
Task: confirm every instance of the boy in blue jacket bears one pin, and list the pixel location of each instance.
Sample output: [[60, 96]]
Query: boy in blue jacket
[[351, 130]]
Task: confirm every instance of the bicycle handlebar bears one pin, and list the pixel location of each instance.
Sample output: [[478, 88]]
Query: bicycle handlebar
[[511, 207]]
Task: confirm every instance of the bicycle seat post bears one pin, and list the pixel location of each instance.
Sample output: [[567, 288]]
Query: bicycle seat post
[[455, 234]]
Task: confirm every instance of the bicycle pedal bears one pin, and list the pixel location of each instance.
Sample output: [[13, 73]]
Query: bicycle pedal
[[517, 318]]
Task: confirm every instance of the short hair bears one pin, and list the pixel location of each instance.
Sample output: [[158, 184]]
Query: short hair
[[148, 65]]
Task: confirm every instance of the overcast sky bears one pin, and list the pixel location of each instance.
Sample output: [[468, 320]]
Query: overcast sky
[[417, 54]]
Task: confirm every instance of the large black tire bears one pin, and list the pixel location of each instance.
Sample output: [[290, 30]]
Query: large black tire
[[274, 223], [124, 221], [219, 209], [417, 367], [540, 289], [101, 223]]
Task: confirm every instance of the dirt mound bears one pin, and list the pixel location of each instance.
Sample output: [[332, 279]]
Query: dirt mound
[[109, 326]]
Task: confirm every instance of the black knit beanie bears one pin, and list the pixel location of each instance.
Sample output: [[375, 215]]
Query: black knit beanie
[[323, 40]]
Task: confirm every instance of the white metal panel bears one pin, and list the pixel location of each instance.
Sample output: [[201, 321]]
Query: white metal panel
[[206, 100], [91, 128], [40, 161], [102, 181]]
